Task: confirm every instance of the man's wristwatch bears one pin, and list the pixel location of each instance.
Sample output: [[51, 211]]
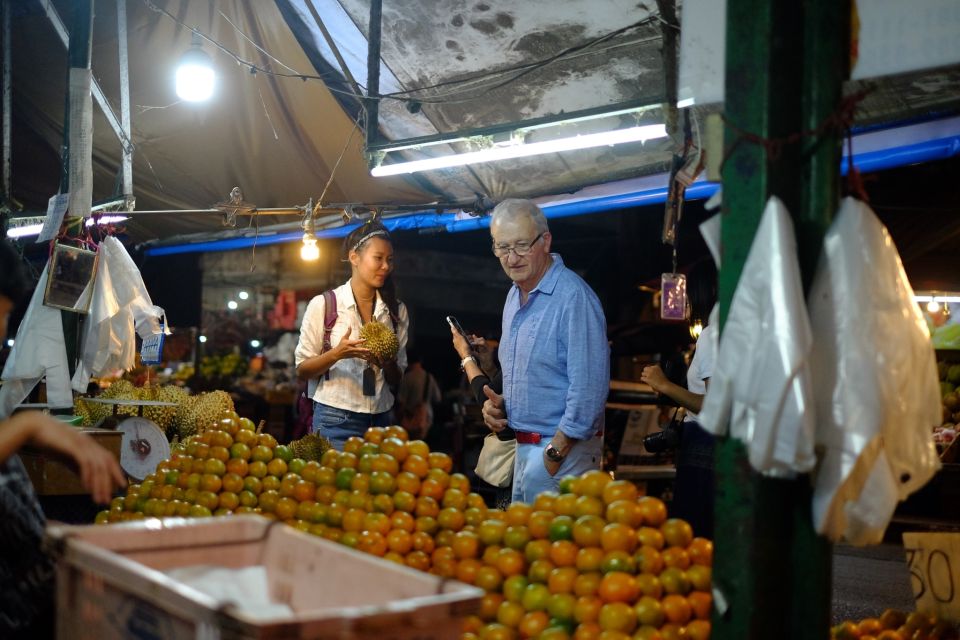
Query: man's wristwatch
[[552, 454], [463, 363]]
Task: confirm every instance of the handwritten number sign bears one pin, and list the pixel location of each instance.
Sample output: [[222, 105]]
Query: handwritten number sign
[[934, 563]]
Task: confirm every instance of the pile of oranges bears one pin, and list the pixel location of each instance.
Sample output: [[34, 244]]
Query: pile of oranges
[[592, 560], [896, 625]]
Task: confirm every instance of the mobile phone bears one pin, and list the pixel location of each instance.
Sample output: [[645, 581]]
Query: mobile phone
[[452, 321]]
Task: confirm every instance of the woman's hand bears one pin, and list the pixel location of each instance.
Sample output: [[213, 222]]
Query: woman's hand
[[460, 344], [653, 375], [348, 348], [484, 353]]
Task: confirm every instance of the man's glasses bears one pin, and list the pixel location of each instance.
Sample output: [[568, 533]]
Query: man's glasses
[[520, 248]]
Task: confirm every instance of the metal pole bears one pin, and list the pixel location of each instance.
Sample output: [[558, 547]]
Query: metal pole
[[372, 101], [334, 48], [771, 571], [125, 142], [7, 101]]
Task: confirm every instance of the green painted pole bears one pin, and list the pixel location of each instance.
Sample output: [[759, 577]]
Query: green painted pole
[[783, 75]]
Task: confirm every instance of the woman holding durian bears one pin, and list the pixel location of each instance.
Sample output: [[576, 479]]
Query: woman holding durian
[[352, 368]]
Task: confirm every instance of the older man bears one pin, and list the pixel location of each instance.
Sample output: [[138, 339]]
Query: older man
[[554, 356]]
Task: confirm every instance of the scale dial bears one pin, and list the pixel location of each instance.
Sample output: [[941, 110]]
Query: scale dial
[[144, 446]]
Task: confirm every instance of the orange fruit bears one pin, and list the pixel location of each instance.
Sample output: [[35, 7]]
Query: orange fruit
[[514, 586], [649, 612], [539, 524], [426, 507], [675, 581], [626, 512], [619, 490], [438, 460], [516, 536], [677, 532], [491, 531], [588, 505], [676, 557], [537, 549], [510, 562], [533, 624], [539, 570], [701, 552], [418, 560], [467, 570], [562, 579], [676, 608], [649, 585], [700, 603], [587, 531], [451, 519], [649, 560], [565, 504], [651, 537], [698, 630], [535, 597], [701, 578], [590, 559], [646, 632], [586, 584], [592, 483], [587, 609], [544, 501], [509, 614], [489, 579], [518, 513], [466, 544], [587, 631], [618, 586], [654, 511], [489, 604], [618, 537], [617, 616], [563, 553], [618, 561], [375, 435], [560, 606], [417, 465], [561, 528]]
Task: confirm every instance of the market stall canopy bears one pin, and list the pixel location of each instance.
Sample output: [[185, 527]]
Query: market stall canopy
[[446, 66]]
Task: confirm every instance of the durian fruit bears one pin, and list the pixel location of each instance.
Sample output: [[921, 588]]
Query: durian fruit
[[310, 447], [163, 416], [120, 390], [380, 340], [201, 412], [82, 409]]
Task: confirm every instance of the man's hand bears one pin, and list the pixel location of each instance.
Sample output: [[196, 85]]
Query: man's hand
[[563, 444], [653, 375], [494, 411], [99, 471]]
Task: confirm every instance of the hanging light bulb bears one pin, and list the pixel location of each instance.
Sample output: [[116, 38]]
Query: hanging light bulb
[[309, 251], [195, 76], [933, 306]]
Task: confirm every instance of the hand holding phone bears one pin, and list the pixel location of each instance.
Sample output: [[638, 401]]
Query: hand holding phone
[[452, 321]]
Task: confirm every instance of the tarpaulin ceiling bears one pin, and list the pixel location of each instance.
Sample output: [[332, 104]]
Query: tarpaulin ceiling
[[279, 138]]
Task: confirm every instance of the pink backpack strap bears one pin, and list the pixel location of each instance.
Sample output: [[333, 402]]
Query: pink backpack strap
[[329, 319]]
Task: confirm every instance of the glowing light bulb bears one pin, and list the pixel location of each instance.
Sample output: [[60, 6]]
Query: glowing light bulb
[[195, 75], [255, 344], [696, 329], [232, 305], [309, 251], [202, 338], [243, 295], [933, 306]]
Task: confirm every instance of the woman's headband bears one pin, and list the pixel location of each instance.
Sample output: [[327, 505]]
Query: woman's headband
[[372, 234]]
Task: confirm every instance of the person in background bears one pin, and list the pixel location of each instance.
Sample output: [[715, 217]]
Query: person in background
[[693, 490], [350, 386], [26, 572], [418, 393], [554, 356]]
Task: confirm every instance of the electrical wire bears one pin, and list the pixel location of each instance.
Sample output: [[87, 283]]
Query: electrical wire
[[255, 45], [409, 95]]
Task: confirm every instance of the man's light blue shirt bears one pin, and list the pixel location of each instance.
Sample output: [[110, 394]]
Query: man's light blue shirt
[[555, 357]]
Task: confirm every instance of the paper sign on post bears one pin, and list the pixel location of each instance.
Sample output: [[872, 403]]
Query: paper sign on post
[[56, 207], [934, 563]]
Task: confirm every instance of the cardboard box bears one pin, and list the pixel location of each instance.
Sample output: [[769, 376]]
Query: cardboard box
[[111, 585], [53, 476]]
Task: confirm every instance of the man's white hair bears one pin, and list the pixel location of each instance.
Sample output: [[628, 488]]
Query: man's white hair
[[514, 208]]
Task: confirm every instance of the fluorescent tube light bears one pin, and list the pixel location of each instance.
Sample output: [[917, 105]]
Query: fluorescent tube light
[[606, 138], [34, 229]]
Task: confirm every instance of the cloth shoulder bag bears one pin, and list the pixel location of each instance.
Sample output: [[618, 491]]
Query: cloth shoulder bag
[[495, 464]]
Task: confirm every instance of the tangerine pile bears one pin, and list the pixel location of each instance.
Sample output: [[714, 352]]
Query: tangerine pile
[[896, 625], [593, 560]]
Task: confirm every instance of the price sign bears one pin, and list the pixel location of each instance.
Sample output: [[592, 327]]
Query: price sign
[[934, 563]]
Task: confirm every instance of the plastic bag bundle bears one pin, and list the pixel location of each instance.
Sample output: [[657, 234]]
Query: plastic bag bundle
[[877, 392], [760, 391]]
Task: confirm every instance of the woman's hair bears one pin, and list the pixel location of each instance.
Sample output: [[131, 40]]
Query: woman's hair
[[13, 282], [356, 240], [702, 289]]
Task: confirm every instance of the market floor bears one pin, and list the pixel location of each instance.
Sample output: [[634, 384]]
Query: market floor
[[868, 580]]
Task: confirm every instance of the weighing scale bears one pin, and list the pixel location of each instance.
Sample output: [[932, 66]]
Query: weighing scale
[[144, 444]]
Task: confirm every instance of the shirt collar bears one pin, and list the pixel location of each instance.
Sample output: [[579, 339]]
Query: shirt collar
[[549, 280], [345, 291]]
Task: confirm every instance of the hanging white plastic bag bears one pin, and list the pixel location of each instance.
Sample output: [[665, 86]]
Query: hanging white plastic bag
[[760, 390], [877, 391]]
